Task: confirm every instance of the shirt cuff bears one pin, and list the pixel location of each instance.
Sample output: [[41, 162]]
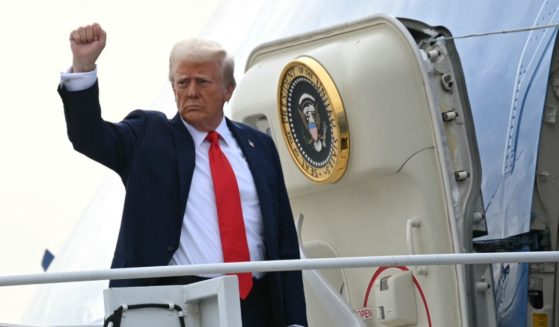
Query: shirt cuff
[[78, 81]]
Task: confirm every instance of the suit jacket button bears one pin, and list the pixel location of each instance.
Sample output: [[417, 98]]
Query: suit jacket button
[[170, 248]]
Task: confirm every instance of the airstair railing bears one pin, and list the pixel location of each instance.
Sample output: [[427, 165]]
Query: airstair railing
[[282, 265]]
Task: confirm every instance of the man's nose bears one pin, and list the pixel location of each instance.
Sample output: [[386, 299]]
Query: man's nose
[[192, 90]]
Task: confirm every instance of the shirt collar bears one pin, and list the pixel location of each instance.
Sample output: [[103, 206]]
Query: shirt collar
[[198, 137]]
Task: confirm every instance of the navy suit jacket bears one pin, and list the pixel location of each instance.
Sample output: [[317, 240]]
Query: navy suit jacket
[[154, 157]]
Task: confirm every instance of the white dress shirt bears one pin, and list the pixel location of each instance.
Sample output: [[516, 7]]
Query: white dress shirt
[[200, 241]]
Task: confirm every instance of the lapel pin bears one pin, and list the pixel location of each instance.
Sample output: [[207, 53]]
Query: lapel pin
[[250, 143]]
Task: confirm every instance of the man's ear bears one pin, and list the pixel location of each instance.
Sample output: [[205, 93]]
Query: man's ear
[[174, 90], [229, 92]]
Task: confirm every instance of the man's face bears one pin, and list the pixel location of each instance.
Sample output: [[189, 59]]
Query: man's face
[[200, 93]]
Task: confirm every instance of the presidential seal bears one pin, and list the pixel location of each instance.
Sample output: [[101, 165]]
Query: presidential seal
[[313, 120]]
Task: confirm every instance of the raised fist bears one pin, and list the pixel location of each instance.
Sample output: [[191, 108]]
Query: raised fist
[[87, 43]]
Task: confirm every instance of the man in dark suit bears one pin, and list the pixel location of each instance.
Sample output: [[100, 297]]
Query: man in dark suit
[[171, 213]]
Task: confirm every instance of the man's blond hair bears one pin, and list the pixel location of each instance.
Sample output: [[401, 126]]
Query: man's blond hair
[[200, 50]]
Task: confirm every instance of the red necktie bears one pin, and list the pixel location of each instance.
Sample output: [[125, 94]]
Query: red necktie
[[229, 212]]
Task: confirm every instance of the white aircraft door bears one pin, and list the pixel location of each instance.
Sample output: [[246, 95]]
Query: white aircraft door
[[372, 124]]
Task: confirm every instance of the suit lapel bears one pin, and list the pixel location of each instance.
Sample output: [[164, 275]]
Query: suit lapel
[[184, 148], [253, 156], [249, 150]]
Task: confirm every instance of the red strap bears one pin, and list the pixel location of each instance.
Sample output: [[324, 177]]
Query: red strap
[[229, 212]]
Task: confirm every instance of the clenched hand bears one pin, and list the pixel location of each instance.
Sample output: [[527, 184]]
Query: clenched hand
[[87, 43]]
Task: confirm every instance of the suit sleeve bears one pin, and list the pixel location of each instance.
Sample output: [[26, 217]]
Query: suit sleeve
[[294, 297], [107, 143]]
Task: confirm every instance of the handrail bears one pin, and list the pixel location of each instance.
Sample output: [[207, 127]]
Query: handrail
[[281, 265]]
